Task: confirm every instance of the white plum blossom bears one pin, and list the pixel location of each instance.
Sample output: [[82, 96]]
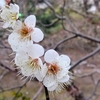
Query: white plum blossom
[[24, 34], [18, 44], [30, 65], [28, 30], [56, 70], [90, 2], [9, 15], [92, 9]]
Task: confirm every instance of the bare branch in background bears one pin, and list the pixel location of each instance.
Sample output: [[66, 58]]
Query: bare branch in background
[[37, 93], [86, 57]]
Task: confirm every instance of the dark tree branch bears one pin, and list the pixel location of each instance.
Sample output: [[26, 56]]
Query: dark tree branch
[[75, 92], [46, 93], [51, 7], [86, 57], [49, 25], [94, 91], [64, 40], [6, 67]]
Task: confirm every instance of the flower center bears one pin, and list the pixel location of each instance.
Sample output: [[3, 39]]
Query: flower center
[[25, 31], [13, 16], [53, 68], [34, 63]]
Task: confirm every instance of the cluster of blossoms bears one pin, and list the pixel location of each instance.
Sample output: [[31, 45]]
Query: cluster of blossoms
[[92, 7], [24, 39]]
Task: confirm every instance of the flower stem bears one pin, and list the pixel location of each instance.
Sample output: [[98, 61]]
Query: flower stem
[[46, 93], [12, 1]]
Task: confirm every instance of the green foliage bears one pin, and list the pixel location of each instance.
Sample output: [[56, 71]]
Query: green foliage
[[3, 98], [21, 96], [47, 17], [25, 98]]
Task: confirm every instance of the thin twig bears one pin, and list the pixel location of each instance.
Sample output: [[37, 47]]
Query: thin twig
[[49, 25], [37, 93], [20, 89], [64, 40], [94, 91], [86, 57]]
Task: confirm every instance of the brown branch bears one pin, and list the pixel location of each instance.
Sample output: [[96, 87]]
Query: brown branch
[[86, 57], [46, 93], [94, 91], [78, 33], [64, 40], [75, 92], [6, 67], [48, 25], [37, 93], [51, 7]]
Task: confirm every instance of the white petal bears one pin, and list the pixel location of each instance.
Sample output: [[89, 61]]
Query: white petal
[[26, 71], [37, 35], [40, 63], [18, 25], [63, 64], [36, 51], [44, 70], [2, 3], [24, 46], [53, 87], [62, 73], [39, 75], [64, 79], [6, 24], [39, 67], [92, 9], [21, 58], [30, 21], [17, 44], [14, 7], [65, 58], [13, 38], [50, 56], [49, 80]]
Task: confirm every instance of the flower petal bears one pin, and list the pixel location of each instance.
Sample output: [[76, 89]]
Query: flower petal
[[6, 24], [21, 58], [17, 26], [38, 76], [2, 3], [37, 35], [53, 87], [44, 70], [50, 56], [17, 44], [49, 80], [65, 58], [30, 21], [26, 71], [14, 7], [64, 79], [62, 73], [36, 51], [13, 38]]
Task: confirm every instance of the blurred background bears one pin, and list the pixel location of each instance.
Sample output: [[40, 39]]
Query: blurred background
[[71, 27]]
